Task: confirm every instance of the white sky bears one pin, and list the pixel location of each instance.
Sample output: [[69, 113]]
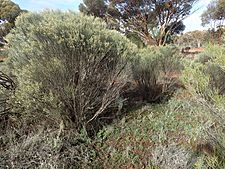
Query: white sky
[[193, 22]]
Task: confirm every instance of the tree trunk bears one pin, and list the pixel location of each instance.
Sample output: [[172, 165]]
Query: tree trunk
[[150, 41]]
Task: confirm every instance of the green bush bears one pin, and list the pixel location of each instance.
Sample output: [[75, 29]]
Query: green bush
[[155, 70], [67, 66], [210, 52], [205, 81]]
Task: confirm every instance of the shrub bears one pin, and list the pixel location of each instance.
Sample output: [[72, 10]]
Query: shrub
[[54, 149], [210, 52], [207, 79], [67, 66], [206, 83], [155, 71]]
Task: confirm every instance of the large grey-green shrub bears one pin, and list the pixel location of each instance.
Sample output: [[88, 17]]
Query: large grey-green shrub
[[67, 66]]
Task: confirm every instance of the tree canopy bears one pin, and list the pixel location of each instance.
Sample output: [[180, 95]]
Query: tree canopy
[[154, 21], [214, 14], [9, 10], [8, 13], [96, 8]]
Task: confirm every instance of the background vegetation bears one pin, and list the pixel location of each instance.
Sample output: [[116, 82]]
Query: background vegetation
[[78, 92]]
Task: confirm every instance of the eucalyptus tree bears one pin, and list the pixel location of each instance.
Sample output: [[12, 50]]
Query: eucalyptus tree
[[153, 21], [8, 13]]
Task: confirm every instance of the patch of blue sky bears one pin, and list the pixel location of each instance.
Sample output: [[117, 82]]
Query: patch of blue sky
[[39, 5]]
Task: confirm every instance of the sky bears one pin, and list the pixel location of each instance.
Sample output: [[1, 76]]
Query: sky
[[193, 22]]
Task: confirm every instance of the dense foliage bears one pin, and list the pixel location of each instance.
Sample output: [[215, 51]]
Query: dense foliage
[[205, 82], [214, 17], [155, 71], [214, 14], [206, 78], [96, 8], [154, 22], [67, 66], [75, 94], [8, 13]]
